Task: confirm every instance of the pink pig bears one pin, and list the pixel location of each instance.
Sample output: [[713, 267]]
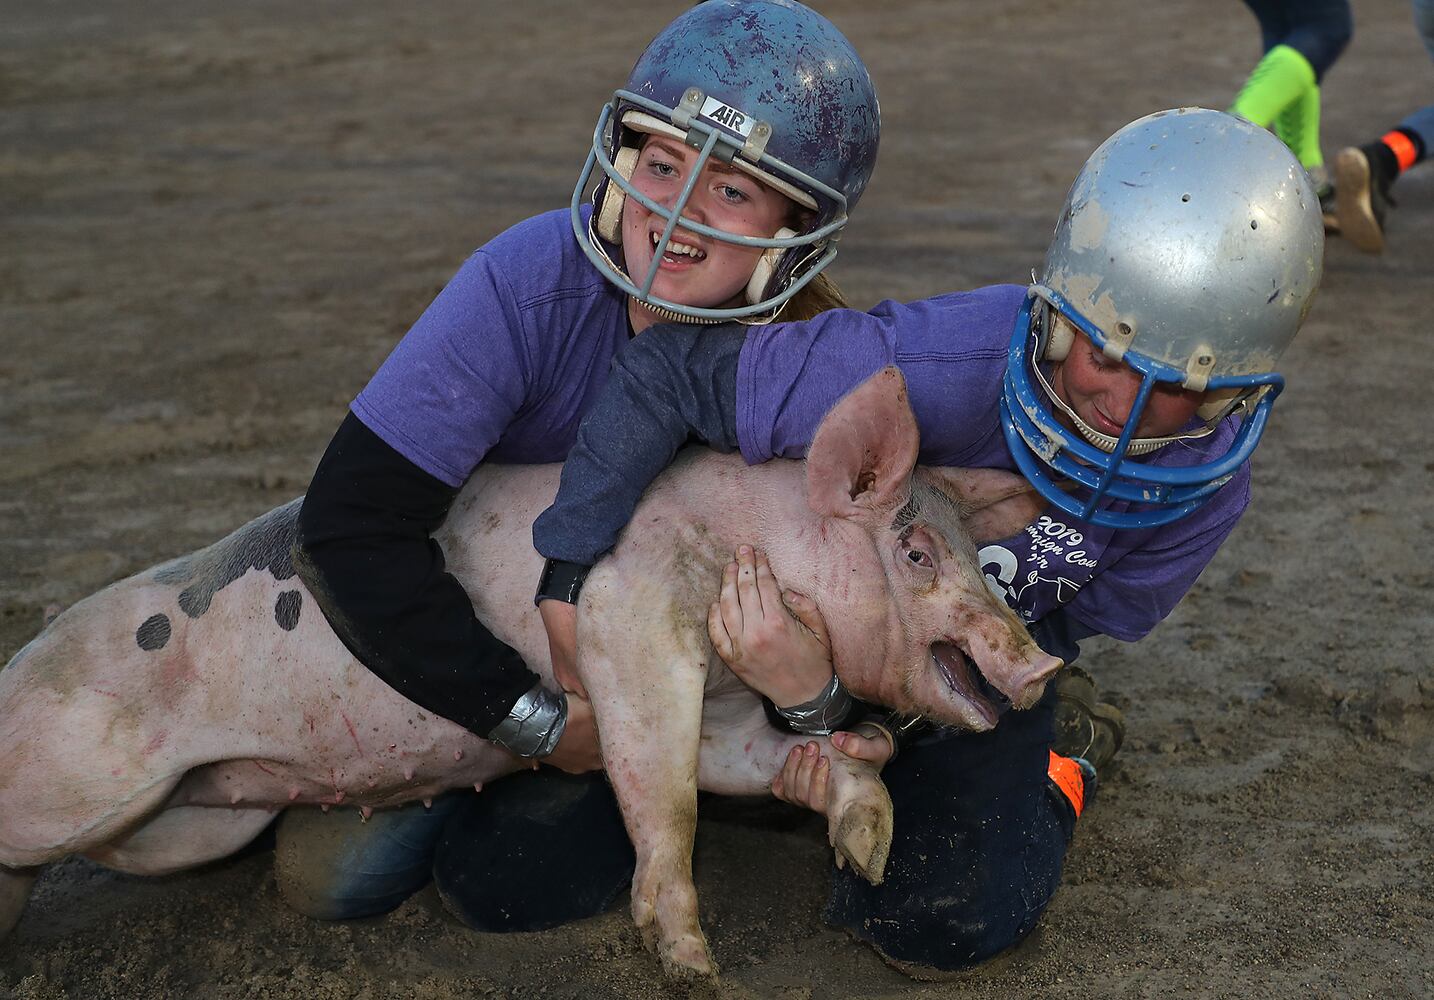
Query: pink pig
[[160, 723]]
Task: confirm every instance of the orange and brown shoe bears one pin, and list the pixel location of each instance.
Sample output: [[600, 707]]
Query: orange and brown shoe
[[1363, 199]]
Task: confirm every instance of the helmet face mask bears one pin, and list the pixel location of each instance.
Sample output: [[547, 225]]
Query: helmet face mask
[[768, 86], [1188, 250]]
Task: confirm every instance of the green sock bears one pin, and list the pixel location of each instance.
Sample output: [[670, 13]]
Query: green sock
[[1279, 79], [1298, 126]]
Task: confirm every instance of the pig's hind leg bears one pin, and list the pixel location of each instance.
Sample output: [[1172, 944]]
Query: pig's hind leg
[[32, 836], [745, 759], [180, 837], [83, 762]]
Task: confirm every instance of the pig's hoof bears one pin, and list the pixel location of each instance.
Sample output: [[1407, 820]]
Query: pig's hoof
[[863, 838], [644, 918], [686, 958]]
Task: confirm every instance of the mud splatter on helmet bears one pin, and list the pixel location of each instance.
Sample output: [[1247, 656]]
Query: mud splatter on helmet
[[1189, 248]]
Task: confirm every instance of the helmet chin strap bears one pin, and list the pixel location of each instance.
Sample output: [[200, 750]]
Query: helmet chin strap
[[666, 315], [671, 316], [1106, 443]]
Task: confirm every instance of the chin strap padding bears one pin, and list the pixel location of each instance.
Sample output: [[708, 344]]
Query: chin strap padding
[[767, 266], [1217, 401], [1059, 340], [608, 224]]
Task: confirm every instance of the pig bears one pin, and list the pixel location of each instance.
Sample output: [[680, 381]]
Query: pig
[[160, 723]]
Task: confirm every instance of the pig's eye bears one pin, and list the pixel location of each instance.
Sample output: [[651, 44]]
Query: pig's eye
[[920, 558], [916, 548]]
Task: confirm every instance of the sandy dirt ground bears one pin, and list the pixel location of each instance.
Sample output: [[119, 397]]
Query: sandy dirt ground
[[216, 219]]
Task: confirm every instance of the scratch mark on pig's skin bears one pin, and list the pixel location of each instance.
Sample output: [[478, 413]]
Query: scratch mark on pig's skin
[[262, 768], [107, 694], [352, 731], [155, 743], [286, 609], [491, 522], [153, 633], [263, 544]]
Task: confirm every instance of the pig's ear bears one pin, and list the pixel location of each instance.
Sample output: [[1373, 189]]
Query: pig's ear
[[995, 504], [863, 453]]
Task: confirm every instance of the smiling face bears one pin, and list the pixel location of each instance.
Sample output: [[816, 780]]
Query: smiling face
[[696, 270], [1102, 391]]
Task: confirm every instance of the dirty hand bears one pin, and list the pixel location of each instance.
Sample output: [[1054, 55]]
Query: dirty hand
[[805, 774], [577, 751], [774, 640], [560, 619]]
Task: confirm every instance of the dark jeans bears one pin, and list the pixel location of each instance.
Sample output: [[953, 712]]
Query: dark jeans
[[980, 838], [532, 851], [1316, 29]]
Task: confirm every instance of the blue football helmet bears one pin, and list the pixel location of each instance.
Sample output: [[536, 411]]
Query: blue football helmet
[[771, 87], [1189, 248]]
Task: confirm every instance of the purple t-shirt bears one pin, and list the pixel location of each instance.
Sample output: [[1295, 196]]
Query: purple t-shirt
[[952, 351], [505, 361]]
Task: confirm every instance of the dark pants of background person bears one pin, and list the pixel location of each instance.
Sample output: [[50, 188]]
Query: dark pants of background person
[[1316, 29]]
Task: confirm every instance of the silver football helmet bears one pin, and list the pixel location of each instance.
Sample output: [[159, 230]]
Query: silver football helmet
[[1189, 248]]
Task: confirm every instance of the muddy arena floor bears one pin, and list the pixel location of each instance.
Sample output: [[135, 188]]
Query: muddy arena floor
[[216, 219]]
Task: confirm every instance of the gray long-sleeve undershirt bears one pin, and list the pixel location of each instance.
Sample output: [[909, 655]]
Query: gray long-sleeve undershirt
[[674, 384]]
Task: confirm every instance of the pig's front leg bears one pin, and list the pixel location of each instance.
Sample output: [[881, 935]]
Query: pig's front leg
[[646, 686], [742, 754]]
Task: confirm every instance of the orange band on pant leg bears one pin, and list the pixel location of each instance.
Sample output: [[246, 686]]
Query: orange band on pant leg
[[1067, 775], [1403, 148]]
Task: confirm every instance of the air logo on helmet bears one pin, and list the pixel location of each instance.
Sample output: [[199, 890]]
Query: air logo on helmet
[[728, 117]]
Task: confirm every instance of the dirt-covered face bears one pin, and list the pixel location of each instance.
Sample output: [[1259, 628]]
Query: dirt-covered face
[[696, 270]]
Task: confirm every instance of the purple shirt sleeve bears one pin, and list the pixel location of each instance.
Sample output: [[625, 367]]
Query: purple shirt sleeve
[[950, 348], [464, 365]]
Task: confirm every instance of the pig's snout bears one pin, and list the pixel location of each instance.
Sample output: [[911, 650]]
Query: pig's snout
[[1042, 667], [994, 683]]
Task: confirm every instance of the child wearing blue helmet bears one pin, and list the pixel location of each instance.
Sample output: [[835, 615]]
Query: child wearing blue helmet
[[1129, 385], [756, 124]]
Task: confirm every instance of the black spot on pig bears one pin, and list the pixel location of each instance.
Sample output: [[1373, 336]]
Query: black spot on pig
[[261, 544], [153, 633], [286, 610]]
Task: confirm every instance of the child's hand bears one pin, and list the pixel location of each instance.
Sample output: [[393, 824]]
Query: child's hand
[[560, 619], [753, 629], [804, 777], [578, 750]]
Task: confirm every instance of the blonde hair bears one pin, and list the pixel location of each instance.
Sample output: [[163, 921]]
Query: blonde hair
[[819, 295]]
